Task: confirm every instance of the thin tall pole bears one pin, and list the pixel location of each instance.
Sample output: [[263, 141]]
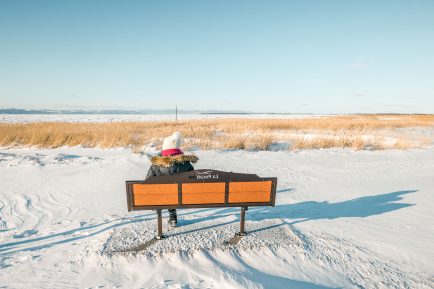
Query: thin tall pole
[[176, 113]]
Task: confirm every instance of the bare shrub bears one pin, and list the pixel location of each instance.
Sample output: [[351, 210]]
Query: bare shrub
[[235, 143], [260, 142]]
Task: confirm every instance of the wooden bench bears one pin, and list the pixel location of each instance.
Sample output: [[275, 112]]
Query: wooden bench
[[201, 189]]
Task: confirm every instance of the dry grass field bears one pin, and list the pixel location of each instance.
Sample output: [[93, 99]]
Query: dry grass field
[[349, 131]]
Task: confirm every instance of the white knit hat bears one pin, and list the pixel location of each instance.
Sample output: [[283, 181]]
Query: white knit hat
[[172, 142]]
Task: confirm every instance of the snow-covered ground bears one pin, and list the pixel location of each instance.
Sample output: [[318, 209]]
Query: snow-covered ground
[[343, 219], [27, 118]]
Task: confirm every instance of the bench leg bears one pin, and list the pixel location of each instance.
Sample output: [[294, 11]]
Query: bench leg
[[242, 221], [159, 225]]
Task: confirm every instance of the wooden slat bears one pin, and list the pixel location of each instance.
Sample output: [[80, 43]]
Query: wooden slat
[[203, 193], [155, 194], [250, 192]]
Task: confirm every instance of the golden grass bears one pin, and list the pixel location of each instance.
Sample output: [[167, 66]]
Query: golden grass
[[256, 142], [402, 144], [250, 134], [235, 143], [356, 142]]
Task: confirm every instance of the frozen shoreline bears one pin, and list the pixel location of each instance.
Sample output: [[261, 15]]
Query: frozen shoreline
[[347, 219]]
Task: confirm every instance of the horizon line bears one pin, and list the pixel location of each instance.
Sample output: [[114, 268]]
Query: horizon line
[[173, 111]]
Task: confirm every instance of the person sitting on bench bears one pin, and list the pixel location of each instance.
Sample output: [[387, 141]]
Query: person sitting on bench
[[171, 160]]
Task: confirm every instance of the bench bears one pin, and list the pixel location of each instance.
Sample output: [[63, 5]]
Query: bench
[[201, 189]]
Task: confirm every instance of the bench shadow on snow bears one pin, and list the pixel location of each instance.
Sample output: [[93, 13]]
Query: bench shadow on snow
[[356, 208], [310, 210]]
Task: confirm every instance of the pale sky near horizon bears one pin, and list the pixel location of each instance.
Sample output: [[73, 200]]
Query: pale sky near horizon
[[264, 56]]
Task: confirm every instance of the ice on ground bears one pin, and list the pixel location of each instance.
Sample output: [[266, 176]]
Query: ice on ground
[[342, 219]]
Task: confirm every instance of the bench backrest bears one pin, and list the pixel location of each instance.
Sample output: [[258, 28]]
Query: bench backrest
[[201, 189]]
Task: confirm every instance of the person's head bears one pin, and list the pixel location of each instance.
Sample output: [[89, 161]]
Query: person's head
[[172, 144]]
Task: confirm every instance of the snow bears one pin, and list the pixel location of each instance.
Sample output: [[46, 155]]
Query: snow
[[343, 219], [101, 118]]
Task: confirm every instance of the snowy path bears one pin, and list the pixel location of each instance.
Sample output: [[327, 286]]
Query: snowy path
[[343, 220]]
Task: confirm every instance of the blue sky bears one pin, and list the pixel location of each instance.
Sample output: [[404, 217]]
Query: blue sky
[[264, 56]]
